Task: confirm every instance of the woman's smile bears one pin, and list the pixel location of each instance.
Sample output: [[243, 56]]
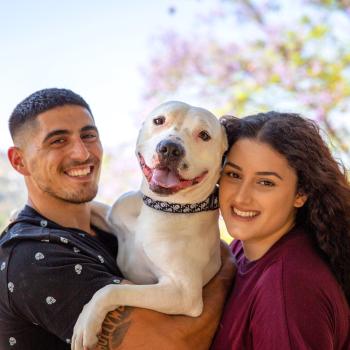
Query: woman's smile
[[245, 215]]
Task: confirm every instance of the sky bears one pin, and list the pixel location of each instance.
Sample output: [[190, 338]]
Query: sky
[[95, 48]]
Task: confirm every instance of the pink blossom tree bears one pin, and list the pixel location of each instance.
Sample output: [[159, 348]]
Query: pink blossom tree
[[248, 56]]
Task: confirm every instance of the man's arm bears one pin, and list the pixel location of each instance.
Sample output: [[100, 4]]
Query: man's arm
[[51, 283], [136, 328]]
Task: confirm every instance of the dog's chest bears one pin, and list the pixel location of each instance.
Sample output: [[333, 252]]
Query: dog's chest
[[156, 242], [135, 251], [135, 263]]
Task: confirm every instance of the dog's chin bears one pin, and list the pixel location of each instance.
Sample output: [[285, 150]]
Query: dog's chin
[[162, 191], [182, 184]]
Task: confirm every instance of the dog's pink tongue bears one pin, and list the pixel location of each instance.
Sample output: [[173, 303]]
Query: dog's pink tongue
[[165, 178]]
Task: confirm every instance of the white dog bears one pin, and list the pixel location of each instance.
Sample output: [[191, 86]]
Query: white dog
[[168, 231]]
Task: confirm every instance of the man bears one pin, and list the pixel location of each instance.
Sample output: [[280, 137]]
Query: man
[[52, 260]]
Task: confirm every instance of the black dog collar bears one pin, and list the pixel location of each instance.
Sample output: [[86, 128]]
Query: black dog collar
[[211, 203]]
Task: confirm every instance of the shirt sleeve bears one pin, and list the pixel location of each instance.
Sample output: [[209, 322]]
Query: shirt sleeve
[[290, 313], [48, 284]]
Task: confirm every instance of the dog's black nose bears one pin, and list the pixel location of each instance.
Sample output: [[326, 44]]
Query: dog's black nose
[[169, 150]]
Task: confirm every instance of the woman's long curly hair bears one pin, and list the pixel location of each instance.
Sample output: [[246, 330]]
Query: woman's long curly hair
[[326, 213]]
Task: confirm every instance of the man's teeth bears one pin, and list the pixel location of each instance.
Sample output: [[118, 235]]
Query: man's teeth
[[79, 172], [245, 214]]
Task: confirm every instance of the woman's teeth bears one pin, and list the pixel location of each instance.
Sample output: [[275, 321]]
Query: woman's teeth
[[79, 172], [245, 214]]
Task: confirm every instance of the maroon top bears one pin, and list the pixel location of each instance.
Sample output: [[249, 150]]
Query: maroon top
[[288, 299]]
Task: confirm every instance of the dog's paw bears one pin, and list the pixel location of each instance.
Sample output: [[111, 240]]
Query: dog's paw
[[87, 328]]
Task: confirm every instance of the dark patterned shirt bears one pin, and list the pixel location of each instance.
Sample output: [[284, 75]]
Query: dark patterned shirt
[[47, 274]]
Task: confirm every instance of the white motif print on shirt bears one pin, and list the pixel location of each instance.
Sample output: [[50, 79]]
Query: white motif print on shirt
[[11, 287], [39, 256], [50, 300], [78, 268], [64, 240]]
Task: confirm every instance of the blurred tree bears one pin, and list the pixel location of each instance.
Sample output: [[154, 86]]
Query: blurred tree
[[248, 56], [12, 191]]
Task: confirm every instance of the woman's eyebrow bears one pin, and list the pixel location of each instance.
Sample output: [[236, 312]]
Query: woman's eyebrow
[[269, 173], [264, 173], [232, 165]]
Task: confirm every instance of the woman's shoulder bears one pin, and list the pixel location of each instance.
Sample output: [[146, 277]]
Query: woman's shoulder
[[302, 258], [295, 268], [301, 276]]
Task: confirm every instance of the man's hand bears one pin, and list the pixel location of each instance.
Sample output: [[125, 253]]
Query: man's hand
[[141, 329]]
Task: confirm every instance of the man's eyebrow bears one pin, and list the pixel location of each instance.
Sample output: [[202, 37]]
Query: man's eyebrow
[[55, 133], [66, 132], [89, 127], [264, 173]]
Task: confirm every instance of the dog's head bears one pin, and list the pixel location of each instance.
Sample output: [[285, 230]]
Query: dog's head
[[180, 148]]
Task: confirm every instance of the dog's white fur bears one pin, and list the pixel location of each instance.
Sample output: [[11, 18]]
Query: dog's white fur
[[169, 256]]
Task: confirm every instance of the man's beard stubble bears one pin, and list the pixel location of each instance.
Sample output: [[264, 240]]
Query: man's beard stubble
[[78, 197]]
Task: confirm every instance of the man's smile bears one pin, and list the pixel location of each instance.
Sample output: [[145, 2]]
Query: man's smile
[[80, 172]]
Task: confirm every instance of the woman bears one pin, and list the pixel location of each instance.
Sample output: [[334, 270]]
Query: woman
[[286, 202]]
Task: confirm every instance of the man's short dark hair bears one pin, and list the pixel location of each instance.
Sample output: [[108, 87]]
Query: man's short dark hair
[[42, 101]]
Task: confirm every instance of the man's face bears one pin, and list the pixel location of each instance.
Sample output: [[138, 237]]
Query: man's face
[[62, 155]]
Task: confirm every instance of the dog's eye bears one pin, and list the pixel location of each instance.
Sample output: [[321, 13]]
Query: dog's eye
[[159, 120], [204, 135]]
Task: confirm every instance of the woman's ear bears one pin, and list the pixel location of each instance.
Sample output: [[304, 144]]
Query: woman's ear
[[15, 157], [300, 200]]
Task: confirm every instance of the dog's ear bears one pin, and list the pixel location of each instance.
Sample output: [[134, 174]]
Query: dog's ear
[[225, 121], [228, 122], [224, 144], [224, 118], [231, 124]]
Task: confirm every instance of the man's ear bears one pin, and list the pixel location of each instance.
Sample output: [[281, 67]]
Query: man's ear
[[15, 156], [300, 200]]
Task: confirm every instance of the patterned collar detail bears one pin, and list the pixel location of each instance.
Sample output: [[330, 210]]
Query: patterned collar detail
[[211, 203]]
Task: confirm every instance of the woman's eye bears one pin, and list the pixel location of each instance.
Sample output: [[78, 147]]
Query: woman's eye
[[232, 174], [204, 135], [266, 183], [159, 120]]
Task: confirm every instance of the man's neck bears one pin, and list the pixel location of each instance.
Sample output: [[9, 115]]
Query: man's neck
[[64, 213]]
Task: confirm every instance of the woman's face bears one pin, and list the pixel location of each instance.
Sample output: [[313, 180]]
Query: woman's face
[[258, 196]]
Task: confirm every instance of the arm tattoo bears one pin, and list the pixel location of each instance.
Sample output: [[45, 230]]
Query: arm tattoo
[[114, 328]]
